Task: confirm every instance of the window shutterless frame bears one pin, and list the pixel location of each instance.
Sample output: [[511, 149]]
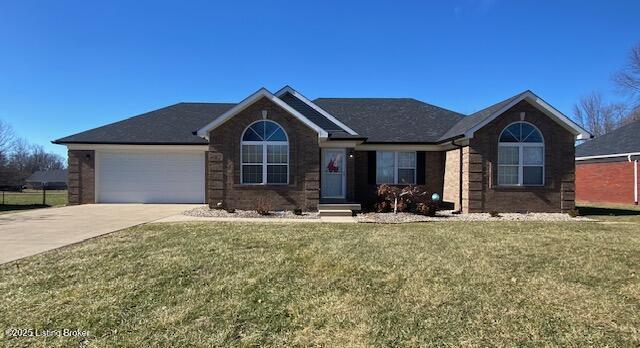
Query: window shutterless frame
[[265, 161], [396, 167], [521, 146]]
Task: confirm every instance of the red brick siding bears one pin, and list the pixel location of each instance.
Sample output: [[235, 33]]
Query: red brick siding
[[558, 192], [223, 169], [81, 176], [610, 182]]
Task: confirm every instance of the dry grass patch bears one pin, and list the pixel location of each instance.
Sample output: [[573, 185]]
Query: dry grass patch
[[459, 284]]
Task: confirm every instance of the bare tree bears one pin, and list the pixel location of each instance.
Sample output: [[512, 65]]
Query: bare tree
[[628, 79], [7, 137], [597, 116]]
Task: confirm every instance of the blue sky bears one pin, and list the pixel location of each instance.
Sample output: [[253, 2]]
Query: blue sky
[[67, 66]]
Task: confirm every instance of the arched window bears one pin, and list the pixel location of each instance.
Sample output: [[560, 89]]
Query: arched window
[[264, 154], [521, 156]]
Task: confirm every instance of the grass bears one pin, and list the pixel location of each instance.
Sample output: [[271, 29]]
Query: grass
[[445, 284], [32, 199]]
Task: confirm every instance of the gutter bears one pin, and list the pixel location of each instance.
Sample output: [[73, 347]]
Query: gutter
[[460, 147], [584, 158], [635, 179]]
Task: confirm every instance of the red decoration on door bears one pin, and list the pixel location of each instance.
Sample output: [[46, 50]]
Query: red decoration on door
[[331, 167]]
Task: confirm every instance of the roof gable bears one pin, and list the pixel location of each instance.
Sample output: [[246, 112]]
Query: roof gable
[[470, 124], [259, 94], [313, 111]]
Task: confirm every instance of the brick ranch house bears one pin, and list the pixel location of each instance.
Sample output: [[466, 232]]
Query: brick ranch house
[[607, 167], [516, 155]]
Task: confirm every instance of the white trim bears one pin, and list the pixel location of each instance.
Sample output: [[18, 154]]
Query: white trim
[[261, 93], [635, 179], [331, 118], [96, 176], [521, 165], [265, 162], [343, 172], [608, 156], [138, 147], [400, 147], [339, 143], [559, 117], [396, 168]]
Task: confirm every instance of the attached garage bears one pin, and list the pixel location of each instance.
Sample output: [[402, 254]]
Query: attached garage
[[150, 177]]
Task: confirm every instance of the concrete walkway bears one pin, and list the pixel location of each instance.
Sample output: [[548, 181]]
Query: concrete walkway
[[31, 232]]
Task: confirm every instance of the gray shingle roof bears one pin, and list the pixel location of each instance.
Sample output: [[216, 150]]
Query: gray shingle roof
[[314, 116], [379, 120], [49, 176], [625, 139], [468, 122], [173, 124], [399, 120]]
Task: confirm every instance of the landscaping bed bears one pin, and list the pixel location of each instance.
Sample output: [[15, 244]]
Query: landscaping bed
[[448, 215], [221, 213]]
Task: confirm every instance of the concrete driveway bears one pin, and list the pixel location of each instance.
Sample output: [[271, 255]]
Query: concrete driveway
[[31, 232]]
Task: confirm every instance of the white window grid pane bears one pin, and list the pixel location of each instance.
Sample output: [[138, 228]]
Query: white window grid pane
[[406, 176], [532, 155], [277, 153], [406, 159], [539, 170], [508, 155], [385, 167], [252, 153], [277, 174], [252, 174], [508, 175]]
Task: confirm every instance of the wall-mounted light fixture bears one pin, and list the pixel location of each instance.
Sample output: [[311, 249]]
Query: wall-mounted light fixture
[[264, 114]]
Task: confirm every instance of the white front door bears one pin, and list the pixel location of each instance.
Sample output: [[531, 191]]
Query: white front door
[[333, 173]]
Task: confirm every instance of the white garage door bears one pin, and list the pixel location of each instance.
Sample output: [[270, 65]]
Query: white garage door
[[150, 177]]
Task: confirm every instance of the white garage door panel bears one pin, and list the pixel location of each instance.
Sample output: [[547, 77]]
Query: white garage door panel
[[150, 177]]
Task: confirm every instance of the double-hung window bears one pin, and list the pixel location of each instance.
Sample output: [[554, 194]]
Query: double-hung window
[[264, 154], [521, 156], [396, 167]]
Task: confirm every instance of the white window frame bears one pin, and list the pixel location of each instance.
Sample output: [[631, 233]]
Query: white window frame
[[521, 164], [264, 162], [396, 168]]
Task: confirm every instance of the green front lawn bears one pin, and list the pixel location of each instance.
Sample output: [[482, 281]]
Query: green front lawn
[[306, 284], [32, 199]]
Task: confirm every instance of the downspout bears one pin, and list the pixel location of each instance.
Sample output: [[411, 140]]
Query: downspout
[[635, 180], [460, 147]]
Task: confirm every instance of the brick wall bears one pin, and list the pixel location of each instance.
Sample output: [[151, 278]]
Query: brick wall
[[81, 176], [223, 167], [609, 182], [452, 178], [558, 192], [365, 192]]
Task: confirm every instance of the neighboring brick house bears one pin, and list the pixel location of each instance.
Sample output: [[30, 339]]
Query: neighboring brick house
[[607, 167], [285, 151]]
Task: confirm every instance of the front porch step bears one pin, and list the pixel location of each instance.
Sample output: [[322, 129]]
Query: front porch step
[[339, 206], [335, 212], [337, 209]]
